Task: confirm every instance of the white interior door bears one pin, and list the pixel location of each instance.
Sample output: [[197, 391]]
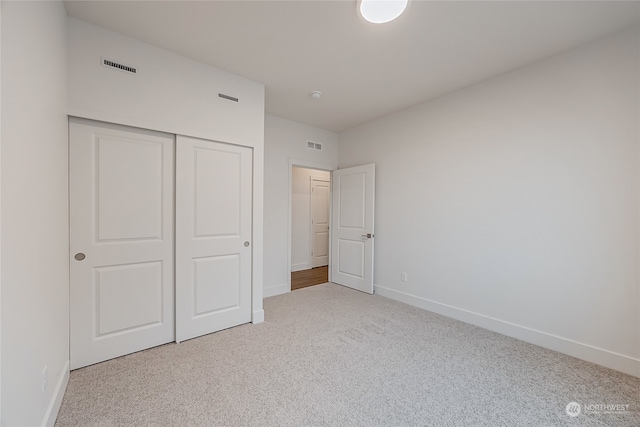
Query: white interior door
[[319, 223], [352, 232], [213, 236], [121, 240]]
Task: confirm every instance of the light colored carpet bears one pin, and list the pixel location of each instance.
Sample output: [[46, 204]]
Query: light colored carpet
[[330, 356]]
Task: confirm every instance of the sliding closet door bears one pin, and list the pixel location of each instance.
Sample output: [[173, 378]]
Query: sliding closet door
[[121, 240], [213, 236]]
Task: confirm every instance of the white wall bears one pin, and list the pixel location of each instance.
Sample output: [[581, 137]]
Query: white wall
[[301, 215], [173, 94], [286, 142], [514, 204], [0, 216], [34, 247], [170, 93]]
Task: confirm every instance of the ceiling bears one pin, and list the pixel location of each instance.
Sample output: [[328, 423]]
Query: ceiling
[[365, 71]]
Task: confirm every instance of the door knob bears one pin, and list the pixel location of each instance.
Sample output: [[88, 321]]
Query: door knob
[[79, 256], [368, 235], [246, 244]]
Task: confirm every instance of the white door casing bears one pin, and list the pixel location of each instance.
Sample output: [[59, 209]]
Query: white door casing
[[121, 240], [352, 231], [213, 236], [319, 213]]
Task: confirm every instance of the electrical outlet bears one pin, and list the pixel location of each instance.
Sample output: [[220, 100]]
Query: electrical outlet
[[403, 276], [44, 379]]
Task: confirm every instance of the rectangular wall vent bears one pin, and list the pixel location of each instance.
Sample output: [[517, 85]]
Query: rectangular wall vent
[[314, 145], [113, 64], [230, 98]]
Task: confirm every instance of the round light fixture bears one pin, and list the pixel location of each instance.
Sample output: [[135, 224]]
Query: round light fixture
[[316, 94], [381, 11]]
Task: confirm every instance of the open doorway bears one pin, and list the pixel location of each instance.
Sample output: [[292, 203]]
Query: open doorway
[[310, 223]]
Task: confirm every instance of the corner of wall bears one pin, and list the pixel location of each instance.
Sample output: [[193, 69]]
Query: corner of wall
[[272, 291], [34, 191], [58, 395]]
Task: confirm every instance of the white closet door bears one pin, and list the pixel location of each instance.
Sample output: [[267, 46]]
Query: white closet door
[[121, 240], [213, 236]]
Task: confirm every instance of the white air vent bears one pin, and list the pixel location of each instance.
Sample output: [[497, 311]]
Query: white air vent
[[117, 66], [314, 145]]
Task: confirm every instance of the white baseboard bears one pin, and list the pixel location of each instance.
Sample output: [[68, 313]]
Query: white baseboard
[[275, 290], [301, 266], [258, 316], [609, 359], [54, 407]]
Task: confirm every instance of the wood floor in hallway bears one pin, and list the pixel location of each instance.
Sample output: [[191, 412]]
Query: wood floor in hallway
[[305, 278]]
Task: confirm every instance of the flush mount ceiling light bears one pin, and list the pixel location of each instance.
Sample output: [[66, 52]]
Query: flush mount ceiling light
[[381, 11]]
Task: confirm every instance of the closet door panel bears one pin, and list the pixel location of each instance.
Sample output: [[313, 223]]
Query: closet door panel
[[213, 236], [121, 240]]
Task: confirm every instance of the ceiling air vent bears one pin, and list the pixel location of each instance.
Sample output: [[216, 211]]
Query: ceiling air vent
[[113, 64], [230, 98], [314, 145]]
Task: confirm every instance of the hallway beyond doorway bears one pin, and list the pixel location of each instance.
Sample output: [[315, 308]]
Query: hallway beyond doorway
[[305, 278]]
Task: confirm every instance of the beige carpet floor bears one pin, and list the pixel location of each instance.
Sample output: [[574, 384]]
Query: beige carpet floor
[[330, 356]]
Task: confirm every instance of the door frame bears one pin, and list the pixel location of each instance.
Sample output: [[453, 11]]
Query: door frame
[[308, 165]]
